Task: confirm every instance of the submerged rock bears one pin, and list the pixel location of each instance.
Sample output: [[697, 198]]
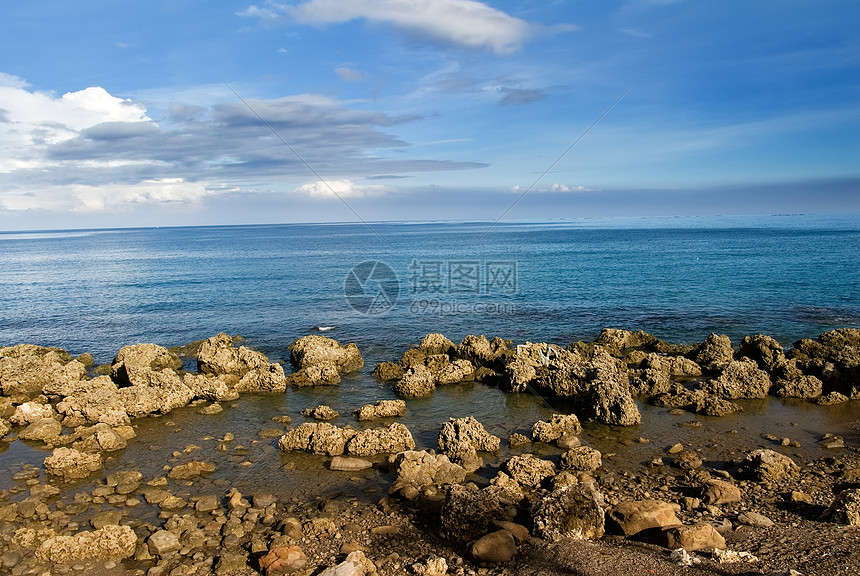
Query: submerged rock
[[110, 542], [321, 412], [381, 409], [324, 438], [70, 463]]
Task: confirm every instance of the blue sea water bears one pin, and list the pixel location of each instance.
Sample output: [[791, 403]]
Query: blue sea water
[[679, 278]]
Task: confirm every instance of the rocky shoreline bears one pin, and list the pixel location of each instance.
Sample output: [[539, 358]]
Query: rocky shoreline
[[553, 507]]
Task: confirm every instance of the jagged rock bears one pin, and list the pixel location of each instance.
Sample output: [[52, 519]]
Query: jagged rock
[[558, 426], [163, 543], [416, 382], [845, 509], [478, 350], [790, 381], [453, 372], [70, 463], [110, 542], [765, 465], [317, 375], [191, 470], [763, 350], [315, 350], [382, 409], [134, 361], [418, 471], [832, 398], [217, 355], [468, 513], [611, 403], [388, 371], [5, 428], [688, 460], [96, 400], [28, 370], [716, 492], [496, 547], [30, 412], [283, 560], [100, 438], [44, 430], [391, 440], [529, 470], [679, 396], [714, 353], [581, 459], [461, 439], [321, 412], [649, 382], [617, 342], [571, 512], [269, 378], [155, 392], [715, 406], [701, 536], [635, 516], [316, 437], [221, 388], [436, 344], [740, 379], [516, 440]]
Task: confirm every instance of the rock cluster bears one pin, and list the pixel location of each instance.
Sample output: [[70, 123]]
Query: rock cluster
[[324, 438], [321, 361]]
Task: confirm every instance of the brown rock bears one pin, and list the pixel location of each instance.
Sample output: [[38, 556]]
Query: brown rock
[[701, 536], [496, 547], [283, 560], [718, 492], [635, 516]]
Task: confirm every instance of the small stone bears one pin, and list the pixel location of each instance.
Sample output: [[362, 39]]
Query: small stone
[[832, 442], [207, 503], [106, 518], [718, 492], [348, 464], [283, 560], [516, 440], [496, 547], [211, 410], [750, 518], [163, 543], [701, 536], [263, 499], [675, 449]]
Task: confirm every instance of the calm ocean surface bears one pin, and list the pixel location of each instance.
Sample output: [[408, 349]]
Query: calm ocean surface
[[95, 291], [681, 278]]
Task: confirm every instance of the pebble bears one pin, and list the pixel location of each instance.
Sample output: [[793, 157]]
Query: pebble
[[676, 448]]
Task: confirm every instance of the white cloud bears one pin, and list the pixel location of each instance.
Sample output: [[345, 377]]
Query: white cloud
[[465, 23], [174, 191], [556, 187], [342, 189], [348, 74]]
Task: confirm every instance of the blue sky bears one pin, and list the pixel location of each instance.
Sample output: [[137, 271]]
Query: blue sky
[[124, 114]]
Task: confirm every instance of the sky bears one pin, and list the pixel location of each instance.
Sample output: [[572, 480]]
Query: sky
[[193, 112]]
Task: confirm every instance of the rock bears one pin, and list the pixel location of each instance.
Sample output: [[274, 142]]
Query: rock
[[416, 382], [283, 560], [845, 509], [617, 342], [191, 470], [108, 543], [635, 516], [464, 437], [31, 412], [435, 344], [750, 518], [763, 350], [391, 440], [382, 409], [28, 370], [316, 437], [715, 353], [316, 350], [124, 481], [96, 400], [356, 564], [230, 562], [268, 378], [517, 440], [44, 430], [321, 412], [688, 460], [496, 547], [70, 463], [715, 406], [701, 536], [100, 438], [765, 465], [106, 518], [469, 513], [571, 512], [832, 398], [217, 355], [160, 392], [221, 388], [388, 371], [318, 375], [211, 409], [716, 492], [528, 470], [418, 471], [453, 372], [558, 426], [345, 464], [5, 428], [832, 442], [132, 363], [740, 379], [581, 458], [478, 350]]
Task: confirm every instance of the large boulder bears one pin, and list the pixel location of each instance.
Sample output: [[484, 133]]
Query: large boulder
[[133, 362], [27, 370], [740, 379], [417, 382], [714, 353], [315, 350], [391, 440], [100, 438], [70, 463], [480, 351], [96, 400], [381, 409], [495, 547], [790, 381], [617, 341], [765, 465], [269, 378], [156, 392], [529, 470], [571, 512], [221, 388], [44, 430], [558, 426], [581, 459], [461, 438], [635, 516], [317, 437], [436, 344], [763, 350], [422, 472], [108, 543]]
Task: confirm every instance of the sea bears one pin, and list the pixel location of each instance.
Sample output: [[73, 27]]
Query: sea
[[384, 285]]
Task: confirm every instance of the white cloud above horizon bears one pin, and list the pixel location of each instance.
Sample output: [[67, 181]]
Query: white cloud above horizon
[[341, 189]]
